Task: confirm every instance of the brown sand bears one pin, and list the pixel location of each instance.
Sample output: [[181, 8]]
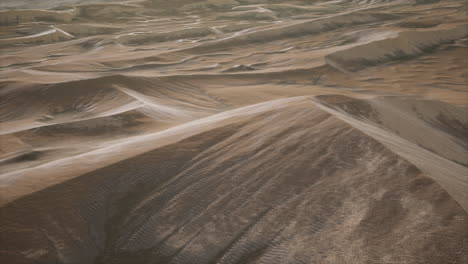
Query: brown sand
[[233, 131]]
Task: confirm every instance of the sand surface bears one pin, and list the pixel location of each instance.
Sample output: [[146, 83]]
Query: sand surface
[[234, 131]]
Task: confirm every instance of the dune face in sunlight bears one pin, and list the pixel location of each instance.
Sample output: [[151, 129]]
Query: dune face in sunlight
[[233, 131]]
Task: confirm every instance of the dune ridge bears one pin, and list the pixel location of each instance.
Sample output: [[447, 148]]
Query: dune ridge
[[418, 135], [233, 131], [407, 44], [203, 166], [52, 35], [11, 17], [299, 29], [110, 95]]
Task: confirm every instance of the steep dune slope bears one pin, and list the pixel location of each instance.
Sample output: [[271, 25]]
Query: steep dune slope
[[260, 189], [315, 26], [67, 119], [406, 45], [49, 36], [32, 15], [47, 104], [233, 131], [57, 103], [429, 134]]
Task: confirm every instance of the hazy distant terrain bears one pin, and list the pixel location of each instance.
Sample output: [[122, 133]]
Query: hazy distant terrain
[[234, 131]]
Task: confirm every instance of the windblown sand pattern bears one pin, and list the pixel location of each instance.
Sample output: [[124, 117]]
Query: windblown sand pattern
[[234, 131]]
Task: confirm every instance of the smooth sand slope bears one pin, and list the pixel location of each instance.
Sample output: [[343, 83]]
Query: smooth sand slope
[[233, 131], [261, 187]]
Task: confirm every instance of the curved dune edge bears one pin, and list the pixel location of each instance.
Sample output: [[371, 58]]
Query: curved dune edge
[[59, 103], [425, 148], [262, 179], [405, 45], [49, 36], [450, 174], [138, 39], [313, 26], [155, 131], [9, 17], [133, 146]]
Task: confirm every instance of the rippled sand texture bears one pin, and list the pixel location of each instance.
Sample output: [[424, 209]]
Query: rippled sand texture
[[234, 131]]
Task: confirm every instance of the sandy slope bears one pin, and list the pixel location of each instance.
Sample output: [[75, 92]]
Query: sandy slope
[[233, 131], [286, 164]]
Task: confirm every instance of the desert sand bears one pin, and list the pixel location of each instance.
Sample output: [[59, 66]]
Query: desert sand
[[234, 131]]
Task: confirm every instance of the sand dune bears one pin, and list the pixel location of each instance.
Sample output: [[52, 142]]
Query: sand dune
[[225, 186], [299, 29], [84, 30], [233, 131], [429, 134], [168, 36], [406, 45], [12, 17], [51, 35], [42, 105]]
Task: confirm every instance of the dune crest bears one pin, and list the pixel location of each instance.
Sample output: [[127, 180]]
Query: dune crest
[[407, 44], [328, 157], [233, 131]]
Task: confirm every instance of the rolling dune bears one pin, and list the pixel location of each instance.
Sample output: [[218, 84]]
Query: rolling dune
[[285, 164], [406, 45], [233, 131]]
